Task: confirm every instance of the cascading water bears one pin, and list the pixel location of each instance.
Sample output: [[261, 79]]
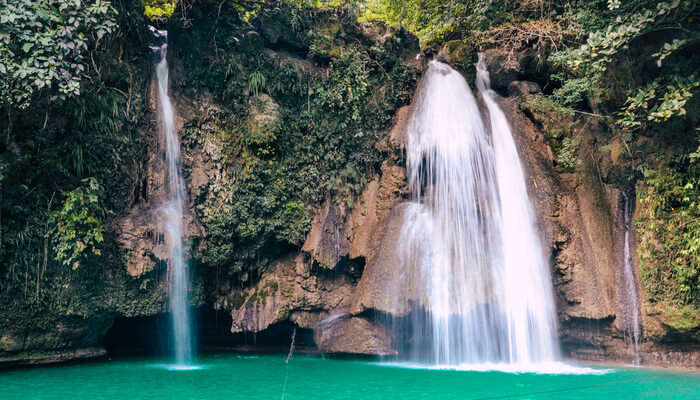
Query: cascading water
[[631, 311], [469, 234], [172, 215]]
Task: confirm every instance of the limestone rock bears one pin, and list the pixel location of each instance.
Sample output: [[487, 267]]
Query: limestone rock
[[379, 289], [320, 283], [507, 65], [355, 335], [286, 288]]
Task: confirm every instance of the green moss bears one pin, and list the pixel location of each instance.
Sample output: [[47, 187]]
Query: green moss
[[159, 9], [683, 319], [462, 56], [668, 228], [557, 123], [309, 133]]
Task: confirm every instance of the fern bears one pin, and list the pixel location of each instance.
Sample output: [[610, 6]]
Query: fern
[[256, 83]]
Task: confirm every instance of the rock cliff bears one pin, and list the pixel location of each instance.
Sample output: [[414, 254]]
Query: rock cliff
[[295, 185]]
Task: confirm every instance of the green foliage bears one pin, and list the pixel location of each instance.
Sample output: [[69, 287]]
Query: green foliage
[[256, 82], [293, 134], [669, 249], [432, 19], [594, 57], [609, 45], [159, 9], [80, 224], [635, 64], [557, 122], [685, 319], [647, 105], [573, 92], [298, 221], [44, 44], [57, 144]]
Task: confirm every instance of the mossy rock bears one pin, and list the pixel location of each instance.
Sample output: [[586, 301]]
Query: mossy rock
[[461, 56], [263, 119], [327, 42], [684, 320], [251, 41], [9, 341], [276, 28]]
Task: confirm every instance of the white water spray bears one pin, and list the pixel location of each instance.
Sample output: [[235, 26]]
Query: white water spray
[[470, 235], [172, 216], [631, 298]]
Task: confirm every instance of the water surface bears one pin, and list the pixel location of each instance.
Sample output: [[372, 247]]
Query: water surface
[[231, 376]]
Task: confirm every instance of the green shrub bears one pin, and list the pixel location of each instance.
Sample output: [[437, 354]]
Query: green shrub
[[80, 224]]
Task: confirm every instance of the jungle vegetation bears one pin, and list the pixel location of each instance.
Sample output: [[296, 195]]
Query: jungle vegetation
[[73, 75]]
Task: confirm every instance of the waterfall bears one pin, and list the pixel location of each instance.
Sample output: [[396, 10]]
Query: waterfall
[[482, 282], [632, 318], [172, 214]]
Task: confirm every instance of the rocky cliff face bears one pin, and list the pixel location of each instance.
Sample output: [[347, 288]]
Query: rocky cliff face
[[318, 288], [582, 217], [230, 134], [330, 276]]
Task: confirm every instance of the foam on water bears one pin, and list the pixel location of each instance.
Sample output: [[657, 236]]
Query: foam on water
[[178, 367], [548, 368]]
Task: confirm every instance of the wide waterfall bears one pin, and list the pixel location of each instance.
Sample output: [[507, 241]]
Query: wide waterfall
[[481, 279], [172, 215]]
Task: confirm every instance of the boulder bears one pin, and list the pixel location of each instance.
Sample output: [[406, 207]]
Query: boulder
[[508, 65], [354, 335], [461, 56], [523, 88]]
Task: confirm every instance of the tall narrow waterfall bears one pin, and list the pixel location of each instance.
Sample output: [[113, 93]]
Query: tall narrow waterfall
[[630, 302], [172, 215], [470, 235]]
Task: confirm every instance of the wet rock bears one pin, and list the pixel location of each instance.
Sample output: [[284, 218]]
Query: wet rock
[[523, 88], [70, 339], [334, 236], [286, 288], [580, 220], [322, 281], [461, 56], [274, 25], [355, 335], [379, 289], [508, 65], [11, 342], [138, 229], [308, 288]]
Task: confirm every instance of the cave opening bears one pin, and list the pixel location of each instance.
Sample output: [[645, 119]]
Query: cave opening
[[215, 335], [150, 336]]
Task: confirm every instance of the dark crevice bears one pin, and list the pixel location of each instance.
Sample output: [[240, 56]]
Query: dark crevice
[[138, 336], [346, 266], [274, 339], [151, 336]]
